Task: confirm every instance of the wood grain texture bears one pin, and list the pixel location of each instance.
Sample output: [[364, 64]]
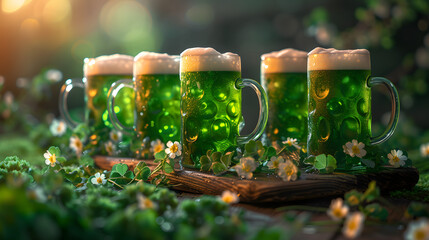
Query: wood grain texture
[[263, 189]]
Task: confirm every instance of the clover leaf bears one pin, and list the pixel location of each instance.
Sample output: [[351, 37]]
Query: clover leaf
[[325, 163], [142, 171]]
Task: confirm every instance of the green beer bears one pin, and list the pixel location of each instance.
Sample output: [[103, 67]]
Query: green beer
[[339, 109], [211, 103], [284, 78], [156, 85], [97, 87], [211, 112], [339, 106], [158, 107]]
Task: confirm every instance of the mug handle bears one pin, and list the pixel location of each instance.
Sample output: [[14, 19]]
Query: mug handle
[[394, 98], [111, 95], [64, 93], [263, 110]]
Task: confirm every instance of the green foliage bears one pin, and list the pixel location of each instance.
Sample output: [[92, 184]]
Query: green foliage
[[142, 171], [216, 162], [166, 165], [58, 208], [366, 202], [417, 209], [254, 149], [15, 167], [376, 211], [121, 175], [323, 163]]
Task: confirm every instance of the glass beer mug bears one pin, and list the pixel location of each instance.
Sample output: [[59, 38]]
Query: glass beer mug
[[156, 85], [339, 107], [284, 78], [211, 86], [99, 74]]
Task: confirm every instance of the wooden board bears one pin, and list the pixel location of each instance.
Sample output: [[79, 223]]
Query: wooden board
[[263, 188]]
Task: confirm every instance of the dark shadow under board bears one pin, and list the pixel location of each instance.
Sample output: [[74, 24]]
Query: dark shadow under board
[[264, 189]]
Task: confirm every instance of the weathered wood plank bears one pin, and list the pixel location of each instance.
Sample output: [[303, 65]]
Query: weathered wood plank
[[271, 188]]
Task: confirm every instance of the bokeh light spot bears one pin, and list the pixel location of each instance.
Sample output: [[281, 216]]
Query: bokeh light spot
[[30, 26], [10, 6], [129, 23], [56, 11]]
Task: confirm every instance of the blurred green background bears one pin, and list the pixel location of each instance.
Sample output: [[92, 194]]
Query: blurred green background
[[38, 35]]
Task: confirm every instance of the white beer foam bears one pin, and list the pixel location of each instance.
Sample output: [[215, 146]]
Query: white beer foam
[[110, 64], [156, 63], [333, 59], [208, 59], [286, 60]]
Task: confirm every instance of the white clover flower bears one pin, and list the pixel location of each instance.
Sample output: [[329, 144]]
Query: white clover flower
[[417, 230], [157, 146], [354, 148], [115, 136], [288, 171], [54, 75], [8, 98], [424, 150], [229, 197], [353, 225], [145, 203], [76, 145], [337, 210], [50, 159], [246, 167], [292, 142], [396, 158], [274, 162], [173, 150], [110, 148], [98, 179], [58, 127]]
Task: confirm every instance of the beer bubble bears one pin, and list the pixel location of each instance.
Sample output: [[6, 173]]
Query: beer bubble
[[294, 124], [194, 90], [311, 103], [105, 117], [350, 128], [232, 109], [208, 109], [349, 87], [166, 126], [220, 92], [335, 106], [204, 132], [324, 129], [220, 129], [363, 107], [321, 90], [191, 129]]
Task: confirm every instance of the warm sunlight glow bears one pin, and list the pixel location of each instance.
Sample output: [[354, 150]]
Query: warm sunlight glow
[[10, 6], [30, 26], [56, 10]]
